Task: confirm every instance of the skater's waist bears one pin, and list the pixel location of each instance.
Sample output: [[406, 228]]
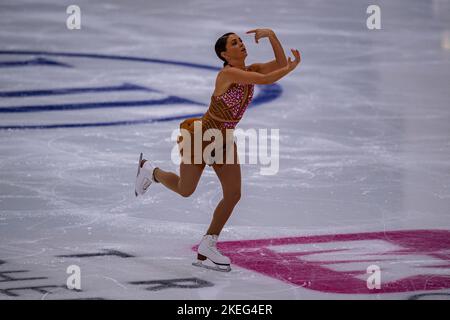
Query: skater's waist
[[212, 120], [218, 118], [204, 123]]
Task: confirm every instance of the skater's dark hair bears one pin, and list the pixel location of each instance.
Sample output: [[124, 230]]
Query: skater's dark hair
[[221, 46]]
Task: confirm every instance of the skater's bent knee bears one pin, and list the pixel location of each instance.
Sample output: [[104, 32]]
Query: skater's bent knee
[[233, 196], [186, 193]]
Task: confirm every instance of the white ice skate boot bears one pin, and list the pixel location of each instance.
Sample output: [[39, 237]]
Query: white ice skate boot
[[144, 177], [207, 250]]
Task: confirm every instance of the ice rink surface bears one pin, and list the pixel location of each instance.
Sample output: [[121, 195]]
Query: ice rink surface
[[364, 162]]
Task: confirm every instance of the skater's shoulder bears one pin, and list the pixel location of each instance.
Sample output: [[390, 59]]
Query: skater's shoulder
[[241, 76], [230, 69]]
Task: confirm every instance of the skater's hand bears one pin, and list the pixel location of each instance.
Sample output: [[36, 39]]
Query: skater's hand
[[260, 33], [291, 65]]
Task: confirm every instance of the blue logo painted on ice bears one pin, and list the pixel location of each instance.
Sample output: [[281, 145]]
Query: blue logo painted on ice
[[131, 103]]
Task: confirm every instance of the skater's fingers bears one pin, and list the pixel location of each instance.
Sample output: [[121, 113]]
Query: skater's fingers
[[251, 31]]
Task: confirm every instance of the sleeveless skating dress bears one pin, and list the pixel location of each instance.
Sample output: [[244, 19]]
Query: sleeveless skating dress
[[224, 112]]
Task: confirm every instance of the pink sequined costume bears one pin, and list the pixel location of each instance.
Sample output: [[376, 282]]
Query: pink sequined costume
[[224, 112]]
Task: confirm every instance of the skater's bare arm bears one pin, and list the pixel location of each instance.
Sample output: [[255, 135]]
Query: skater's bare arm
[[236, 75], [280, 58]]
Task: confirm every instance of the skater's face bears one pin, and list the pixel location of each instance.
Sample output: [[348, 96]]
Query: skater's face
[[235, 48]]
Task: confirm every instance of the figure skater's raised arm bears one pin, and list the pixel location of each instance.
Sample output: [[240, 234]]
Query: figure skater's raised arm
[[236, 75], [280, 58]]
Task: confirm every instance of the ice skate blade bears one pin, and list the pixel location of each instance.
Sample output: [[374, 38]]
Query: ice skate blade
[[200, 264], [138, 170]]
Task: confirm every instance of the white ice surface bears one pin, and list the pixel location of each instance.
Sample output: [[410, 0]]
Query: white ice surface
[[364, 139]]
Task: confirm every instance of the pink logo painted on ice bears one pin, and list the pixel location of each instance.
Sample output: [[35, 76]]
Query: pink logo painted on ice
[[413, 260]]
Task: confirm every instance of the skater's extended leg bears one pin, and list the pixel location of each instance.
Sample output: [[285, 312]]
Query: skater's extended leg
[[184, 184], [229, 175], [230, 178]]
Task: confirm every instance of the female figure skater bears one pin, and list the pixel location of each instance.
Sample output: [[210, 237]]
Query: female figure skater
[[233, 93]]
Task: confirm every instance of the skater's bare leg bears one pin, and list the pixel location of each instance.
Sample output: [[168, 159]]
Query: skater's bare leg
[[184, 184], [230, 178]]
